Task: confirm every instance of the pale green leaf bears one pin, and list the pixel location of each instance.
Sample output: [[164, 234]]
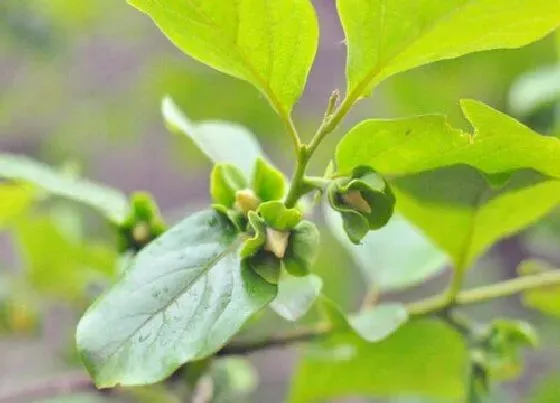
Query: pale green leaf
[[222, 142], [464, 214], [379, 322], [410, 145], [386, 37], [270, 44], [184, 296], [393, 257], [423, 358], [296, 295], [109, 202]]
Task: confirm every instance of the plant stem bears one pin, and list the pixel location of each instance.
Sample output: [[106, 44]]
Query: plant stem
[[305, 152], [486, 293], [296, 188], [292, 131], [330, 123], [433, 305], [276, 341]]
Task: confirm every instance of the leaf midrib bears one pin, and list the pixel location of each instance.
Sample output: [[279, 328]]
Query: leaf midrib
[[244, 60]]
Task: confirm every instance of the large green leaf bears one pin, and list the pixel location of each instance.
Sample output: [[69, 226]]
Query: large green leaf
[[393, 257], [410, 145], [386, 37], [464, 213], [423, 358], [270, 44], [184, 296], [222, 142], [108, 201]]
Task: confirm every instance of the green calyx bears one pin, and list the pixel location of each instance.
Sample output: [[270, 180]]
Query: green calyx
[[364, 200], [142, 225], [235, 197], [500, 347], [280, 240]]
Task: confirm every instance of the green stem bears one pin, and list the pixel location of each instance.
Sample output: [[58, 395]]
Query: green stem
[[483, 294], [296, 188], [305, 152]]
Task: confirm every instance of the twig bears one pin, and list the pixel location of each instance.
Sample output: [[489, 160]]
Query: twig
[[80, 382]]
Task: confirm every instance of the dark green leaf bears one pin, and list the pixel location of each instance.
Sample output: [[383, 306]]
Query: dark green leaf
[[185, 295]]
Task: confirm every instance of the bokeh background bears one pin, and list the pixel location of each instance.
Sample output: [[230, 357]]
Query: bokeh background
[[80, 88]]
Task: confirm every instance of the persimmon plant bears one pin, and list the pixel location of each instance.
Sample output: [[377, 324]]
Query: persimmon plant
[[187, 290]]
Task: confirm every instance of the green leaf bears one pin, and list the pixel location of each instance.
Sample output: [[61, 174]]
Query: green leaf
[[545, 299], [411, 145], [387, 37], [296, 295], [225, 181], [57, 265], [379, 322], [277, 216], [268, 182], [185, 295], [394, 257], [222, 142], [14, 200], [464, 214], [269, 44], [423, 358], [109, 202], [303, 248]]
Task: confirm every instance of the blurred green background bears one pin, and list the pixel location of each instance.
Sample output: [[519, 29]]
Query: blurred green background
[[80, 88]]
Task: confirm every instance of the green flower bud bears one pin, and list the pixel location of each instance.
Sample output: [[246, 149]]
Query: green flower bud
[[280, 239], [232, 195], [364, 200], [142, 225], [502, 343]]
